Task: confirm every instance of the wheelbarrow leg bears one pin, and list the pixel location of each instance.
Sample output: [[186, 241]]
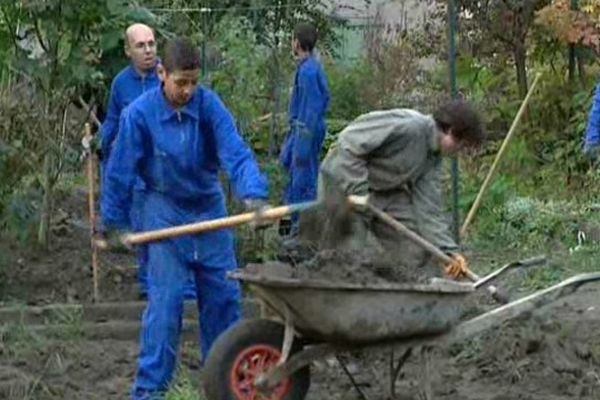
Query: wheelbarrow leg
[[426, 392], [295, 363], [288, 338], [396, 368], [351, 377]]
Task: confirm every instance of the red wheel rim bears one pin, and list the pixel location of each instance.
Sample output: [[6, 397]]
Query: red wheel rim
[[251, 363]]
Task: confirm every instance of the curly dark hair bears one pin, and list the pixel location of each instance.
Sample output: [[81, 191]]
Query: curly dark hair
[[464, 120]]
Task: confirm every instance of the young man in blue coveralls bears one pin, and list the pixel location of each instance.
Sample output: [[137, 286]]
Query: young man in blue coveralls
[[138, 77], [310, 99], [176, 138]]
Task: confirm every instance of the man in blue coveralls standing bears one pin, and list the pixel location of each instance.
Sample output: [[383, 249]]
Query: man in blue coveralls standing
[[176, 138], [138, 77], [310, 100]]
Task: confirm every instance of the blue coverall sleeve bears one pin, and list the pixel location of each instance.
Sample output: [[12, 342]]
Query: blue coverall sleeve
[[110, 126], [121, 173], [235, 156], [592, 137]]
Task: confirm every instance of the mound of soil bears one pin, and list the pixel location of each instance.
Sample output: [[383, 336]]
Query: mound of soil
[[361, 267]]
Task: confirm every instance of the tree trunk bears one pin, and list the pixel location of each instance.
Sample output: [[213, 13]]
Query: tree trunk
[[276, 92], [580, 64], [45, 211], [572, 63], [520, 54]]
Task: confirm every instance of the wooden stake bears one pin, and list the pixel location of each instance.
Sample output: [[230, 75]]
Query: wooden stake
[[488, 178], [91, 177]]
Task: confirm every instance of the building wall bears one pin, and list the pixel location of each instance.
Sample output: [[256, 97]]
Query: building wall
[[385, 17], [394, 13]]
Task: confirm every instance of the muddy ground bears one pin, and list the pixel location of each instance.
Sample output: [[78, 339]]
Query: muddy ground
[[63, 274], [551, 354]]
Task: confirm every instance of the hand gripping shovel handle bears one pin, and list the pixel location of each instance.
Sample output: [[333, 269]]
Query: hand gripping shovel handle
[[498, 295]]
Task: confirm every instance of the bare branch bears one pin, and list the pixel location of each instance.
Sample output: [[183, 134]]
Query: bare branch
[[38, 34]]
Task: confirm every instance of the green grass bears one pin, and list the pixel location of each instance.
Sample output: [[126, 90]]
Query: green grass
[[184, 388]]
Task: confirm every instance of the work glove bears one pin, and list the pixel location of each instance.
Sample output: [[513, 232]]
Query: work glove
[[91, 145], [112, 240], [258, 206], [359, 202], [458, 267]]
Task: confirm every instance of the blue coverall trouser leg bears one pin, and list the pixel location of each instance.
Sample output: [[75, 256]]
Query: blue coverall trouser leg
[[302, 163], [137, 204], [218, 303]]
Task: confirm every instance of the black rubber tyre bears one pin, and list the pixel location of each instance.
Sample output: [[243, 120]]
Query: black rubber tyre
[[234, 352]]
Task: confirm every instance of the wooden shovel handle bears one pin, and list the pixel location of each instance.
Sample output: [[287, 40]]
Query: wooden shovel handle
[[214, 224]]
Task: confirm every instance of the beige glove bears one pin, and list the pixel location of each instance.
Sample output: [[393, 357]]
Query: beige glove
[[458, 267]]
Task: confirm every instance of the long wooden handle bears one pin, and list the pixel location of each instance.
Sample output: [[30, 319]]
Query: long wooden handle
[[215, 224], [91, 176], [498, 295], [400, 227], [488, 178]]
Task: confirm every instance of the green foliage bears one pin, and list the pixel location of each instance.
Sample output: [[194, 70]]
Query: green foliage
[[347, 84], [244, 79], [272, 20], [528, 223], [56, 48]]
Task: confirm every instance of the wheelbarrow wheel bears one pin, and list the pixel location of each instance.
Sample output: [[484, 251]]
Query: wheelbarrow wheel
[[241, 354]]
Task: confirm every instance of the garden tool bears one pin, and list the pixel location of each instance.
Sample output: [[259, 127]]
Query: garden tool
[[456, 265], [269, 214], [91, 176], [494, 167], [335, 205]]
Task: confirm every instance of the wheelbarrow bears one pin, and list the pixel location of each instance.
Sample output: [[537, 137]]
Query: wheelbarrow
[[270, 358]]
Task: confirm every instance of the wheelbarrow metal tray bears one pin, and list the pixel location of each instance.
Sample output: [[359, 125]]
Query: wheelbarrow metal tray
[[355, 313]]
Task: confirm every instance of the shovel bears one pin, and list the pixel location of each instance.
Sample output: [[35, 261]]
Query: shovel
[[270, 214], [497, 294]]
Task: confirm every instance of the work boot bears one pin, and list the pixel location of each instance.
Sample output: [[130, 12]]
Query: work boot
[[285, 227]]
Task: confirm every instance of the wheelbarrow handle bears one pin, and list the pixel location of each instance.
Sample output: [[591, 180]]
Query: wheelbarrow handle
[[215, 224], [529, 303]]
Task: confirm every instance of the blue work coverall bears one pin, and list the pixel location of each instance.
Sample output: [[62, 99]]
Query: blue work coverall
[[178, 155], [302, 147], [591, 146], [127, 86]]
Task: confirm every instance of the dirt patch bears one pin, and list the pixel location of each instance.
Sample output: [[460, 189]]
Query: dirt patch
[[361, 267], [69, 370], [64, 272]]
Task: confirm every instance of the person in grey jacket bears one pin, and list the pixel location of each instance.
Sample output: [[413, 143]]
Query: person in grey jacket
[[395, 158]]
